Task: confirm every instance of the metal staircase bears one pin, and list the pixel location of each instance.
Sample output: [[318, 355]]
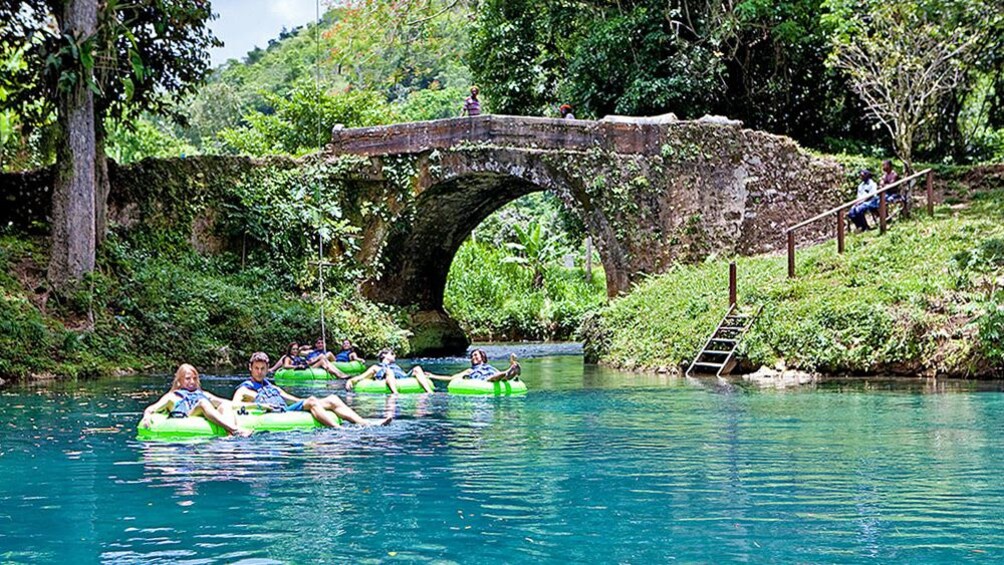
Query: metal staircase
[[717, 355]]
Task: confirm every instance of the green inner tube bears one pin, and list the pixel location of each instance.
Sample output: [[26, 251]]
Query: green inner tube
[[316, 373], [475, 386], [409, 385], [163, 427]]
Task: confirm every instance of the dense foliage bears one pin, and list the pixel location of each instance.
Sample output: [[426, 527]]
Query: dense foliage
[[377, 61], [144, 309], [522, 274]]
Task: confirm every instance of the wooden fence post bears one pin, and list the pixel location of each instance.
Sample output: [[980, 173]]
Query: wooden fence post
[[733, 299], [930, 193], [840, 231], [882, 213], [791, 254]]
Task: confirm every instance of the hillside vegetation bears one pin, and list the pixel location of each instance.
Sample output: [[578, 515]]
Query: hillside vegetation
[[927, 297]]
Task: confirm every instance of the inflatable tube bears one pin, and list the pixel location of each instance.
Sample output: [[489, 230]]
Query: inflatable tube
[[317, 374], [165, 428], [409, 385], [311, 374], [475, 386]]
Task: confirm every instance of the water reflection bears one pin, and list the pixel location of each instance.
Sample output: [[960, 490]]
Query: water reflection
[[592, 465]]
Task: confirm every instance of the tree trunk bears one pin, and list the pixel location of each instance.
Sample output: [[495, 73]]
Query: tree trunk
[[102, 185], [72, 250]]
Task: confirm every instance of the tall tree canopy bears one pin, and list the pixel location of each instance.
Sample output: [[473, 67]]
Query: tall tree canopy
[[904, 56], [87, 62]]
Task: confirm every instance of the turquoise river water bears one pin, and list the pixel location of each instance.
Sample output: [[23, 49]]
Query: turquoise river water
[[590, 466]]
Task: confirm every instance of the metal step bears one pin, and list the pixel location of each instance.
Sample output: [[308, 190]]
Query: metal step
[[726, 336]]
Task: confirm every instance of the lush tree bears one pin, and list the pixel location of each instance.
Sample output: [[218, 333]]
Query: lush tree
[[399, 46], [969, 125], [301, 122], [88, 62], [643, 62], [521, 50], [776, 78], [903, 56], [57, 43]]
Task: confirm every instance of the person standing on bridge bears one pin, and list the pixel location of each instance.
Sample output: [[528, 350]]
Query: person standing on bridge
[[566, 112], [472, 106]]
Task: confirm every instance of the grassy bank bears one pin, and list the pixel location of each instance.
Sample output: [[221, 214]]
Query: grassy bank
[[924, 298], [150, 309]]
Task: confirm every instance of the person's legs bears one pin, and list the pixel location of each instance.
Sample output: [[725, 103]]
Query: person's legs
[[227, 421], [857, 215], [512, 372], [338, 406], [391, 381], [323, 363], [316, 408], [423, 379]]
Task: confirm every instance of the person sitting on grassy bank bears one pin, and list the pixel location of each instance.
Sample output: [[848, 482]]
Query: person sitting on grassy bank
[[186, 398], [889, 176], [387, 369], [866, 189], [260, 392], [482, 371]]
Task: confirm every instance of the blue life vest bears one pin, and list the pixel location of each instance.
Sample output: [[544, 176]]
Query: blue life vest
[[298, 362], [382, 371], [187, 401], [481, 372], [344, 356], [267, 396]]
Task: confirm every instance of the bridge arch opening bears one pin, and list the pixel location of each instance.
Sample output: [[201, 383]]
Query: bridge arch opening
[[421, 246], [527, 272]]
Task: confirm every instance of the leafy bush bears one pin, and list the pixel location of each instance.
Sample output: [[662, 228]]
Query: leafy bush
[[301, 122], [494, 299]]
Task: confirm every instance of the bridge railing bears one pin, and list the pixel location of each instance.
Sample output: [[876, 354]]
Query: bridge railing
[[840, 212]]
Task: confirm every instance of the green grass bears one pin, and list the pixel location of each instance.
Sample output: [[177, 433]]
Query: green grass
[[912, 300]]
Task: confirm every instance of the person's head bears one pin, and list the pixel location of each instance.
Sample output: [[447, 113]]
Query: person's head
[[866, 175], [475, 91], [346, 345], [186, 377], [565, 109], [258, 365], [319, 344], [478, 356], [386, 356], [886, 166], [293, 348]]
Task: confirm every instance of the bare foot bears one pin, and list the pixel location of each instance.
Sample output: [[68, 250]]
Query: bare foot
[[386, 421], [514, 369], [348, 385], [241, 432]]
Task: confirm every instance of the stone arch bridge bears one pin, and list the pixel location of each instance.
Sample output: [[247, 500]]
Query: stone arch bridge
[[650, 191]]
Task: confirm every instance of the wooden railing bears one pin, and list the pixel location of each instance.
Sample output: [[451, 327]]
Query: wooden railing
[[840, 212]]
